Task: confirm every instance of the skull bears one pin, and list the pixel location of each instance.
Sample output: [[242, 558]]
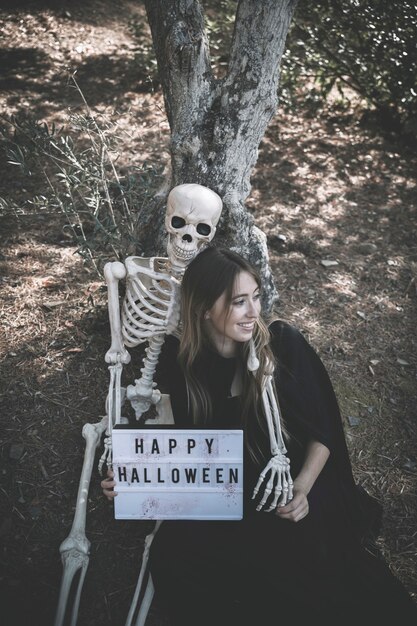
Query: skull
[[191, 218]]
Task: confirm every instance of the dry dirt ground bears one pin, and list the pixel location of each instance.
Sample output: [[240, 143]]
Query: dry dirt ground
[[326, 187]]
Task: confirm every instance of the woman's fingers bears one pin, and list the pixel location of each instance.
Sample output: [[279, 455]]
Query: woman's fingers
[[108, 485], [295, 510]]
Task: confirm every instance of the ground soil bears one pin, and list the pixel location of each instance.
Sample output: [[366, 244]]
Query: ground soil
[[327, 187]]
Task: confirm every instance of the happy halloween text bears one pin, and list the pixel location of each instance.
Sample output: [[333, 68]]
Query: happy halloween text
[[197, 473]]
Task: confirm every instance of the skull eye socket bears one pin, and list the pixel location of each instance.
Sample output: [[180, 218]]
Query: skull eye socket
[[177, 222], [203, 229]]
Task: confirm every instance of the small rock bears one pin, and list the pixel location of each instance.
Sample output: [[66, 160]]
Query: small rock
[[277, 241], [16, 451], [328, 263], [353, 421], [35, 512], [367, 248], [410, 465]]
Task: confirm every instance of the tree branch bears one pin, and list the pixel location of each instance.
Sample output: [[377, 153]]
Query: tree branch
[[257, 46], [183, 58]]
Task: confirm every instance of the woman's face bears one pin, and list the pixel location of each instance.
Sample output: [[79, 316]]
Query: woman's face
[[230, 325]]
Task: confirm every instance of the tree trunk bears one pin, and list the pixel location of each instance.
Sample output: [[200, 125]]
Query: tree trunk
[[217, 125]]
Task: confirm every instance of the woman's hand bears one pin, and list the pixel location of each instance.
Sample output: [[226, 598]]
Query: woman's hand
[[295, 510], [108, 485], [316, 457]]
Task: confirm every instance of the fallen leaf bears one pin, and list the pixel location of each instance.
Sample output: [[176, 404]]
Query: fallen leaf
[[402, 362], [48, 282], [50, 304], [94, 286]]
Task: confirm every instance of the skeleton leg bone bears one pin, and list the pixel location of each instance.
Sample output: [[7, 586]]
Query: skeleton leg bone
[[149, 592], [76, 547]]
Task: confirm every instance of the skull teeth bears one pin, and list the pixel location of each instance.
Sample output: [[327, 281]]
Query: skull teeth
[[186, 255]]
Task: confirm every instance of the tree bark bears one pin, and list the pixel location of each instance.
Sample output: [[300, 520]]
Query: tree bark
[[217, 125]]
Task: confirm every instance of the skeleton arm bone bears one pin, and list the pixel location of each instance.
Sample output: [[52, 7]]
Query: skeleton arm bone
[[276, 474], [113, 272]]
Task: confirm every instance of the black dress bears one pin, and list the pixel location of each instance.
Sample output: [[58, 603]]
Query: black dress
[[263, 569]]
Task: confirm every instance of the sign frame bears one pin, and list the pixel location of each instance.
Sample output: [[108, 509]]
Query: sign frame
[[171, 473]]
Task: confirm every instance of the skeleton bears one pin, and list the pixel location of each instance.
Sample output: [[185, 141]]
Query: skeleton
[[150, 311]]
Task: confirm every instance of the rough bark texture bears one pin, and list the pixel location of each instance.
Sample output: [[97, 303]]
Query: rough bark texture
[[217, 125]]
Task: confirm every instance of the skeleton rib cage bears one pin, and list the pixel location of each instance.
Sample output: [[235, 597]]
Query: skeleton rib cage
[[148, 303]]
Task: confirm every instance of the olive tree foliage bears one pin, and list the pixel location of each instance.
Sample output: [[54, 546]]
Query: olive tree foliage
[[217, 124], [369, 46]]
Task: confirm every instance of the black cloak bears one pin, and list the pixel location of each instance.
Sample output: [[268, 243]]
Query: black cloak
[[264, 569]]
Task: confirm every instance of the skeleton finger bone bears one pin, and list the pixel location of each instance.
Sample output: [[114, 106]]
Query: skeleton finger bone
[[282, 499], [279, 494], [268, 490]]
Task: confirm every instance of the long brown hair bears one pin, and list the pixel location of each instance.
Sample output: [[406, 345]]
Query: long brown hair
[[211, 274]]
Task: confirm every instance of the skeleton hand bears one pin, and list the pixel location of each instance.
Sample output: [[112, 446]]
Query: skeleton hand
[[107, 454], [279, 482]]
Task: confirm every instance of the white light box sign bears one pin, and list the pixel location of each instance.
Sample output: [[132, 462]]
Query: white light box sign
[[178, 474]]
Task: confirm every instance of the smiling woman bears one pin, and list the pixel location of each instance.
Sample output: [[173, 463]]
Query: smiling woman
[[228, 325], [297, 555]]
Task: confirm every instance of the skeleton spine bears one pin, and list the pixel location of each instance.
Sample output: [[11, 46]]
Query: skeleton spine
[[151, 360]]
